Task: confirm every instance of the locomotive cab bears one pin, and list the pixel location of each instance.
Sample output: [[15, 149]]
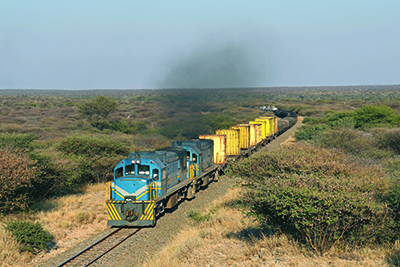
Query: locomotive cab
[[200, 154], [194, 157], [132, 179]]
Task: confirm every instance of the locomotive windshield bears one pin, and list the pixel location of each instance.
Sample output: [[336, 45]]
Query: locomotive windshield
[[144, 170], [118, 172], [129, 169]]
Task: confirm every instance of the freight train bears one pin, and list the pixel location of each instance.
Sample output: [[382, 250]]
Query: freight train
[[148, 182]]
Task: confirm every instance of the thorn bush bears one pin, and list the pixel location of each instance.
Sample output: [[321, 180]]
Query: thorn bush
[[31, 236]]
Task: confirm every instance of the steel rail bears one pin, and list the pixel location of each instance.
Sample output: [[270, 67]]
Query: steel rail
[[96, 243], [112, 248]]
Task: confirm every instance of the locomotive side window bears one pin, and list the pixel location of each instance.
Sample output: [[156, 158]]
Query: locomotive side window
[[144, 170], [129, 169], [188, 154], [118, 172], [155, 174]]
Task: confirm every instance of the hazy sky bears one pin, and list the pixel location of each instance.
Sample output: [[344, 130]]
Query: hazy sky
[[166, 44]]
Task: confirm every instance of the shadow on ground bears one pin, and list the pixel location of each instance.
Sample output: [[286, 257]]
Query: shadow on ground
[[252, 233], [394, 258]]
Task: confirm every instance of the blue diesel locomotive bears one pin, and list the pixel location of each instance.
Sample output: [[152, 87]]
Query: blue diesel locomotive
[[149, 181]]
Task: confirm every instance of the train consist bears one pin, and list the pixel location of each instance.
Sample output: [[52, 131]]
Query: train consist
[[148, 182]]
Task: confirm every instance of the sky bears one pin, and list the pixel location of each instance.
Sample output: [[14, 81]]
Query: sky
[[98, 44]]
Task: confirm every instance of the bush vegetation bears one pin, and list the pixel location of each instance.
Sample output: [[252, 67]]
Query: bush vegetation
[[316, 196], [65, 139], [364, 118], [31, 236], [97, 111], [17, 174]]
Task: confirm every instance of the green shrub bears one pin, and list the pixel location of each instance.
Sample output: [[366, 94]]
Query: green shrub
[[197, 217], [344, 119], [392, 166], [319, 216], [218, 121], [17, 141], [304, 110], [58, 173], [357, 143], [314, 121], [91, 146], [315, 195], [128, 126], [310, 132], [97, 111], [389, 139], [193, 128], [188, 127], [375, 116], [101, 168], [171, 130], [31, 235], [150, 141]]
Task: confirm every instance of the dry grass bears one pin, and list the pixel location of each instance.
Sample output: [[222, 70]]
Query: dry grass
[[10, 250], [70, 219], [231, 239]]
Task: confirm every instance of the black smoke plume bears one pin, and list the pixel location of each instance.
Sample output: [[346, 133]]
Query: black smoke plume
[[224, 66]]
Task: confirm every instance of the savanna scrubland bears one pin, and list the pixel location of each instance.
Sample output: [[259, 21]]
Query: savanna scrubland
[[331, 196]]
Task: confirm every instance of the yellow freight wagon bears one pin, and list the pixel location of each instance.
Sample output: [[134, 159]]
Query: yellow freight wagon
[[244, 132], [270, 123], [262, 123], [274, 124], [219, 147], [267, 126], [232, 141], [255, 134]]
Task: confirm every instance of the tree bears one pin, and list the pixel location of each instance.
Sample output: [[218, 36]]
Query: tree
[[375, 116], [17, 171], [98, 110]]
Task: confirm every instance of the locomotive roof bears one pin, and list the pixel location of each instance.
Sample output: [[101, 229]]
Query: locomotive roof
[[164, 155], [202, 144]]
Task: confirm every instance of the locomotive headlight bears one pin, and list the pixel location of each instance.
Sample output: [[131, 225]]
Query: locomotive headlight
[[133, 161], [138, 162]]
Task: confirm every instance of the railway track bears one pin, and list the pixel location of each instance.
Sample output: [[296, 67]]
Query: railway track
[[100, 248]]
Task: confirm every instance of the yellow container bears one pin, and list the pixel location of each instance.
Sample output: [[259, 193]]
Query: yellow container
[[276, 125], [232, 141], [219, 147], [262, 123], [273, 123], [268, 126], [244, 132], [255, 134]]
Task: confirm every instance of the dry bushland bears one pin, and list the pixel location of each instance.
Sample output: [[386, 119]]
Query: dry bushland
[[223, 236], [71, 219]]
